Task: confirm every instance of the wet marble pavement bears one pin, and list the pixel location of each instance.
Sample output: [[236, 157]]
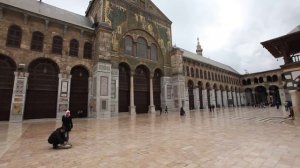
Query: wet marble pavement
[[234, 137]]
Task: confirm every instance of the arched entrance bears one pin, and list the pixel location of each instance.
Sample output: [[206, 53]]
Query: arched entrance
[[7, 68], [124, 87], [41, 97], [261, 95], [156, 88], [141, 89], [79, 91], [191, 94], [274, 95], [200, 85]]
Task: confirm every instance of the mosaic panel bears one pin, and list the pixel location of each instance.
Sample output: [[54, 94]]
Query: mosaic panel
[[19, 90]]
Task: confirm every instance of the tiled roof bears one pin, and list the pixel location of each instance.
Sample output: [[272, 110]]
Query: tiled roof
[[49, 11], [202, 59]]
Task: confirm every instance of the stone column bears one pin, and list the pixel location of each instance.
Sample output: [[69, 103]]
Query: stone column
[[114, 104], [253, 94], [228, 98], [167, 96], [151, 107], [268, 97], [196, 98], [239, 98], [63, 96], [212, 97], [204, 97], [90, 106], [132, 106], [18, 97], [225, 98], [282, 96], [233, 98], [103, 70], [186, 103], [295, 96], [219, 97], [102, 75]]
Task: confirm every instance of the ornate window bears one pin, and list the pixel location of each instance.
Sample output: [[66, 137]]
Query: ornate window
[[37, 41], [74, 45], [141, 48], [14, 36], [197, 73], [87, 51], [205, 75], [153, 53], [128, 45], [57, 45], [208, 75]]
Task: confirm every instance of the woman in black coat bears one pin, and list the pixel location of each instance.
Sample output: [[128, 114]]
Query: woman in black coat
[[57, 137], [67, 123]]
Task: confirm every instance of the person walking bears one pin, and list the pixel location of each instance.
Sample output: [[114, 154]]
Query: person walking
[[67, 123], [166, 109]]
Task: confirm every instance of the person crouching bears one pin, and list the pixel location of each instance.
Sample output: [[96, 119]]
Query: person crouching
[[57, 137]]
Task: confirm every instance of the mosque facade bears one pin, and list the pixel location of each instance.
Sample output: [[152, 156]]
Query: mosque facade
[[117, 58]]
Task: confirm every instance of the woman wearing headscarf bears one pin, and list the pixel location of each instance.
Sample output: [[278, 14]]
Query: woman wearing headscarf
[[67, 123]]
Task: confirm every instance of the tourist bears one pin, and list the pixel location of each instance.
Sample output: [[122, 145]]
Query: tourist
[[57, 137], [166, 109], [182, 112], [67, 123]]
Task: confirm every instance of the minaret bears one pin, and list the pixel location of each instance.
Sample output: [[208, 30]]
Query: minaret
[[199, 49]]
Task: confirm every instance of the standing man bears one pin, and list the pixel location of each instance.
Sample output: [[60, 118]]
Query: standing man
[[67, 123]]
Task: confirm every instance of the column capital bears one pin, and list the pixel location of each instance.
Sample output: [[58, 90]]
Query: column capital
[[132, 73]]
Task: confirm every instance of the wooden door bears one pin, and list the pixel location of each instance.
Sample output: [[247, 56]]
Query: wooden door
[[141, 90], [124, 88], [7, 68], [41, 97], [79, 92]]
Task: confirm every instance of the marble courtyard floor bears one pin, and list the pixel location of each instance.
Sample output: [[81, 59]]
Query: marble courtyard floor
[[241, 137]]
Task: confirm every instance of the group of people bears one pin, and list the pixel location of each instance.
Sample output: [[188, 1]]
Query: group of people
[[60, 137]]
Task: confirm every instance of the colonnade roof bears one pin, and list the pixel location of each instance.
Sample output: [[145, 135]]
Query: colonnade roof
[[46, 10], [284, 45], [205, 60]]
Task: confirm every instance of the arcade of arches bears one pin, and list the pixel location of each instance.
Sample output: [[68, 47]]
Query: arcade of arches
[[201, 97]]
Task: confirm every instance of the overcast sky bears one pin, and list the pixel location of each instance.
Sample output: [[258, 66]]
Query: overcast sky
[[230, 31]]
